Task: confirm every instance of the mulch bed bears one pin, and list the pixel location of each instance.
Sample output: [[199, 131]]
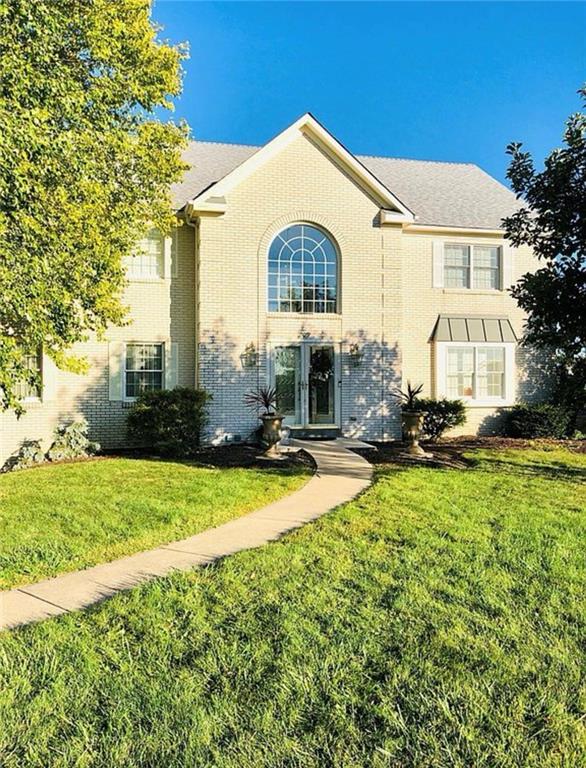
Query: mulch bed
[[234, 456], [248, 456], [449, 453], [245, 456]]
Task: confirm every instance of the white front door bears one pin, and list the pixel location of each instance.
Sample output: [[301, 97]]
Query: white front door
[[306, 376]]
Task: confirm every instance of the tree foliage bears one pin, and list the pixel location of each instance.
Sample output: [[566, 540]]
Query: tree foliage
[[85, 167], [553, 223]]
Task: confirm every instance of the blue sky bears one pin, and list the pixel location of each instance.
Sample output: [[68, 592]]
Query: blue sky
[[439, 81]]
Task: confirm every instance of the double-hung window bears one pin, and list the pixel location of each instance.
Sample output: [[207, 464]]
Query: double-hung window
[[460, 372], [26, 389], [490, 372], [144, 368], [456, 266], [472, 266], [476, 372], [148, 262]]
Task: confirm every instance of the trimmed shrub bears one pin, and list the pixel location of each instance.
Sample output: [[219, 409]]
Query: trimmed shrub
[[540, 420], [440, 415], [169, 421]]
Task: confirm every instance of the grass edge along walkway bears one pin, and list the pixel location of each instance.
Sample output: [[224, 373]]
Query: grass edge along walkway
[[340, 475]]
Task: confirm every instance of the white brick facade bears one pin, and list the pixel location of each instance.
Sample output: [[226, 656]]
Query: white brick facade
[[159, 310], [215, 304]]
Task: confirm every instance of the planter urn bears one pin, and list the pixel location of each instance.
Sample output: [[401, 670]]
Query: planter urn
[[272, 424], [412, 424]]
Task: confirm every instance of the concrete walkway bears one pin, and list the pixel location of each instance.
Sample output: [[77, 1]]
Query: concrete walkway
[[340, 475]]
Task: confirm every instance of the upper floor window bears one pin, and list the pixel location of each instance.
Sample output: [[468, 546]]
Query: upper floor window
[[147, 262], [472, 266], [303, 271]]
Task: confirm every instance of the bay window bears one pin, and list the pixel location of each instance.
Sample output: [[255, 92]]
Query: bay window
[[479, 373]]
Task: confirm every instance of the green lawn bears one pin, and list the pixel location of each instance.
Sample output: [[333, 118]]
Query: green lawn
[[437, 621], [68, 516]]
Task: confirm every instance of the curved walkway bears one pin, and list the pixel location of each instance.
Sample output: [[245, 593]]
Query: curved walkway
[[340, 475]]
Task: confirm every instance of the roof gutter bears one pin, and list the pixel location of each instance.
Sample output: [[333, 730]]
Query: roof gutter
[[412, 227]]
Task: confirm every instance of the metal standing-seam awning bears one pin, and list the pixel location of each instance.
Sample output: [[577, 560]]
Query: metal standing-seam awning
[[466, 328]]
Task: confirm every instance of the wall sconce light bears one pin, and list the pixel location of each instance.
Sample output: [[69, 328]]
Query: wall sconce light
[[355, 354], [249, 358]]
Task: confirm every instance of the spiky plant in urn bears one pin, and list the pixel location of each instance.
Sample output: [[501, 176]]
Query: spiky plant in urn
[[265, 398], [411, 417]]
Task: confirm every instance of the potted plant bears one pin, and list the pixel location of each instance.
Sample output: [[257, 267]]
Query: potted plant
[[411, 417], [272, 422]]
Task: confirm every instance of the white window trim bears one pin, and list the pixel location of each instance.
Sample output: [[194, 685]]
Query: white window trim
[[32, 399], [306, 315], [168, 264], [124, 370], [38, 398], [471, 247], [441, 366]]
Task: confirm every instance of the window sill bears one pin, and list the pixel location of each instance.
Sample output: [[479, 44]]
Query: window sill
[[470, 403], [312, 315], [475, 291], [149, 280]]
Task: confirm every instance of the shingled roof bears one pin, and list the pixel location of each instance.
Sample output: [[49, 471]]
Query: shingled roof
[[442, 194]]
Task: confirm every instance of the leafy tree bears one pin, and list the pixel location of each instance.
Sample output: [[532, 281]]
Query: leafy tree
[[85, 168], [553, 223]]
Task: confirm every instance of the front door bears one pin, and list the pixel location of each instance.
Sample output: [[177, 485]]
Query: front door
[[288, 378], [304, 376]]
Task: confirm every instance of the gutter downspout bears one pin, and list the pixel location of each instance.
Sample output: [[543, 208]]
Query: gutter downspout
[[195, 226]]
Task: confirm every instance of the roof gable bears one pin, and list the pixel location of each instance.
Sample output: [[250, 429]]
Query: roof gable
[[440, 194], [212, 198]]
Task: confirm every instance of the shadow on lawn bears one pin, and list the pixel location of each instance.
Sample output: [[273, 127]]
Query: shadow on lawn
[[460, 454], [553, 471], [395, 453]]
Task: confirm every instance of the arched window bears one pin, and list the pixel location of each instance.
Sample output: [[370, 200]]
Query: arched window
[[303, 271]]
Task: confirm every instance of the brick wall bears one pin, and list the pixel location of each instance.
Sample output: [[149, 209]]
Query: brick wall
[[161, 310], [422, 303], [387, 306], [300, 184]]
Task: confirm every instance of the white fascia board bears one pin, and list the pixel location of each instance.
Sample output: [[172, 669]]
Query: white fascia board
[[395, 217], [201, 208], [446, 229], [310, 124], [306, 124]]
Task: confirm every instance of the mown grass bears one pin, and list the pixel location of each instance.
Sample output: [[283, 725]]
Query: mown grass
[[68, 516], [436, 621]]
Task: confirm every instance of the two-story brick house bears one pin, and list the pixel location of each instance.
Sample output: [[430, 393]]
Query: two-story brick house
[[331, 276]]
